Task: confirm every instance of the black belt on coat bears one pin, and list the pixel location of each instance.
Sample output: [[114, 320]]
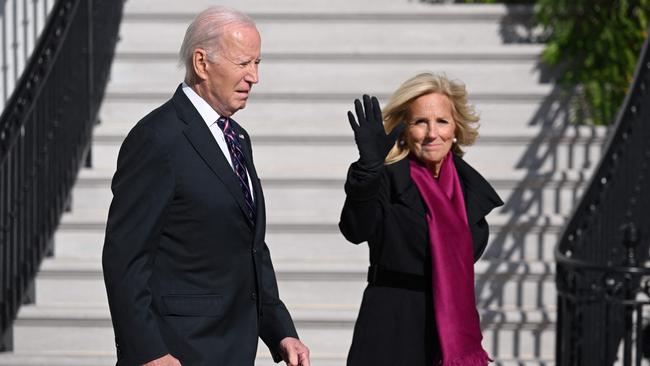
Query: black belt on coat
[[386, 278]]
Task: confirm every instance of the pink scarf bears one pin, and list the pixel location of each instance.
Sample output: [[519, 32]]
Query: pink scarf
[[452, 264]]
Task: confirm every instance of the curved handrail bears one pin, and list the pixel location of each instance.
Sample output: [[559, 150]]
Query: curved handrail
[[602, 281], [45, 135], [616, 148]]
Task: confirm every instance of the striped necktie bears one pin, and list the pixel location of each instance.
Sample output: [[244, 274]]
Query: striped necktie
[[238, 162]]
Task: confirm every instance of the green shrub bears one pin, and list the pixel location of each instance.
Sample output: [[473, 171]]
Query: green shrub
[[497, 1], [596, 44]]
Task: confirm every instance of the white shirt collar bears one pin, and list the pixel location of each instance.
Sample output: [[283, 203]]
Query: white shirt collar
[[209, 115]]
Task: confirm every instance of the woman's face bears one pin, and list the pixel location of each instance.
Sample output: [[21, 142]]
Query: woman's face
[[431, 128]]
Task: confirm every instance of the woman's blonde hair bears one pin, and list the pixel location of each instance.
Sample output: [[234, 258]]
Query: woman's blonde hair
[[397, 111]]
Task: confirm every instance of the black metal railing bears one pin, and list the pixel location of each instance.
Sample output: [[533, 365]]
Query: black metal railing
[[603, 274], [21, 23], [45, 134]]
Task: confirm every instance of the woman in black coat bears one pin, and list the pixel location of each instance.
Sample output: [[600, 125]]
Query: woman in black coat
[[400, 198]]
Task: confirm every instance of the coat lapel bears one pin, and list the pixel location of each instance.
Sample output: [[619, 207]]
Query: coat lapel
[[201, 138], [404, 189], [480, 197]]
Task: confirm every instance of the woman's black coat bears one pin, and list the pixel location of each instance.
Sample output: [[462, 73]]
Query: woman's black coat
[[395, 325]]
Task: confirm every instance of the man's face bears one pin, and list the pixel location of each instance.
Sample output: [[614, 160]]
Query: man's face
[[231, 76]]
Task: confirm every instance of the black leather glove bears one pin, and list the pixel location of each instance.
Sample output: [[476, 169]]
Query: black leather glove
[[369, 134]]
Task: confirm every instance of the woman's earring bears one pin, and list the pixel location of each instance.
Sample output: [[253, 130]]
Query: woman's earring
[[401, 142], [455, 140]]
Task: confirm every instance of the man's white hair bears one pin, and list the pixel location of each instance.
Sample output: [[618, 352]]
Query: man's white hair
[[205, 32]]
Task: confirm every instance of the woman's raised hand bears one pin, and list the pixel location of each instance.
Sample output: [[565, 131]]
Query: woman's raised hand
[[369, 134]]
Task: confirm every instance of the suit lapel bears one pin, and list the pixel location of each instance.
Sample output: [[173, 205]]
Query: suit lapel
[[201, 138]]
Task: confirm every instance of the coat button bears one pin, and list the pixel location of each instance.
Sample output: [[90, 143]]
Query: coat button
[[254, 251], [253, 296]]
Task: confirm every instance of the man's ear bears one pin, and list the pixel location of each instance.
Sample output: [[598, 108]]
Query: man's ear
[[200, 63]]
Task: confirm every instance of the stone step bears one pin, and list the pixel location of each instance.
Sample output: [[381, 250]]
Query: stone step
[[170, 9], [503, 96], [319, 282], [87, 245], [263, 119], [77, 329], [582, 136], [33, 358], [69, 358], [586, 135], [95, 219], [288, 242], [94, 177], [327, 332], [328, 159], [513, 236], [313, 199], [344, 51], [107, 358], [323, 76], [336, 36]]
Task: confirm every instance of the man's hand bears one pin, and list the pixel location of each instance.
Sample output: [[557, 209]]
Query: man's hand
[[294, 353], [166, 360]]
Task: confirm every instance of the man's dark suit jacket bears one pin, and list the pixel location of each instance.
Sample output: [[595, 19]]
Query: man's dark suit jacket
[[186, 272]]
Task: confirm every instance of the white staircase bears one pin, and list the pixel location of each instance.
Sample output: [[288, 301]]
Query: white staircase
[[319, 55]]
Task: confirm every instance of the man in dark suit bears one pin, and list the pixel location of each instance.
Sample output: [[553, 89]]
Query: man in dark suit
[[188, 275]]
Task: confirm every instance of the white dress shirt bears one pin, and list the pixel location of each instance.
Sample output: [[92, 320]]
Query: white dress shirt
[[210, 117]]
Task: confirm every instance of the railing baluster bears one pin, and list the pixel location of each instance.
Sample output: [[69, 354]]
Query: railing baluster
[[4, 244], [35, 21], [25, 24], [627, 339], [609, 347], [14, 45], [639, 334], [4, 66]]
